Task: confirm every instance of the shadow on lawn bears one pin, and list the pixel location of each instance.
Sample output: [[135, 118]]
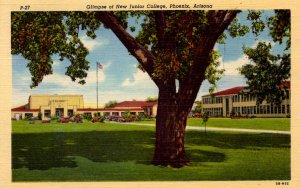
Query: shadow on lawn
[[48, 150], [238, 140]]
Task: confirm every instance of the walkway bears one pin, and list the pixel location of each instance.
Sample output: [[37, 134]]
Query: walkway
[[222, 129]]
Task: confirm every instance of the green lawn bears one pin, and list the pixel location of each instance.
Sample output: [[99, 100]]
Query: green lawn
[[279, 124], [114, 152]]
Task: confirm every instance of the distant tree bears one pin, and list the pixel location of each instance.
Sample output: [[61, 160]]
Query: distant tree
[[110, 104], [152, 99], [198, 107], [267, 73]]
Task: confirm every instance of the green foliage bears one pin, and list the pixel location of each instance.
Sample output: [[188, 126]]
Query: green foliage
[[175, 55], [54, 118], [87, 116], [39, 35], [110, 104], [198, 108], [127, 115], [205, 118], [39, 116], [213, 73], [236, 29], [152, 99], [266, 73], [280, 27], [98, 118], [258, 25]]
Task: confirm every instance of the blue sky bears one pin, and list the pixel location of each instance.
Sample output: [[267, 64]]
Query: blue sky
[[120, 79]]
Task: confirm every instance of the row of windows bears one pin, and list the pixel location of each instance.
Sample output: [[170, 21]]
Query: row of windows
[[114, 113], [262, 109], [243, 98], [213, 100], [235, 98], [214, 111]]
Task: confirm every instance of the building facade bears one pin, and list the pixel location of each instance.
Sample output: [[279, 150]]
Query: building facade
[[134, 107], [68, 105], [236, 101]]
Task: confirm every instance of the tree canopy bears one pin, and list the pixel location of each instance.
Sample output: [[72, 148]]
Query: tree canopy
[[268, 73], [169, 38], [110, 104]]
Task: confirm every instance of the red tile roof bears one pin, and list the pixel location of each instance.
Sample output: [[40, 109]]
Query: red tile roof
[[109, 109], [125, 105], [24, 108], [237, 90], [135, 104], [230, 91]]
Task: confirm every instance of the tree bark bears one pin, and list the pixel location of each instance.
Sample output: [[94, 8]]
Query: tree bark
[[170, 129]]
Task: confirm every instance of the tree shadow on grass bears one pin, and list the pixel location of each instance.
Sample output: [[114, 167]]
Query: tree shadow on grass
[[47, 150], [238, 140], [43, 151]]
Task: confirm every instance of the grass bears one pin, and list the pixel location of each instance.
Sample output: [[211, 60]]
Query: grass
[[114, 152], [279, 124]]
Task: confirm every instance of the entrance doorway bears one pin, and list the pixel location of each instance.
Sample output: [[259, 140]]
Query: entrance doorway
[[59, 112], [70, 113]]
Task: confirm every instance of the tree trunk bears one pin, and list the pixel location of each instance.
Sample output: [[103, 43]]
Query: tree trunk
[[170, 131]]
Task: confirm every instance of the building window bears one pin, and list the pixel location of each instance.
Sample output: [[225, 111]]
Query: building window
[[268, 109], [115, 113], [279, 110], [272, 109], [97, 114], [234, 98], [70, 113], [28, 115], [106, 113], [261, 109], [283, 109], [47, 113], [288, 108]]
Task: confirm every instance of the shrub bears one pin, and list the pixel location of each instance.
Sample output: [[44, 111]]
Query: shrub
[[39, 116], [54, 118], [98, 119], [127, 115], [87, 116]]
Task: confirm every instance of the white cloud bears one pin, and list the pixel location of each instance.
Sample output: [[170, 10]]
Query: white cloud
[[91, 44], [139, 79], [56, 63], [65, 81], [231, 67]]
